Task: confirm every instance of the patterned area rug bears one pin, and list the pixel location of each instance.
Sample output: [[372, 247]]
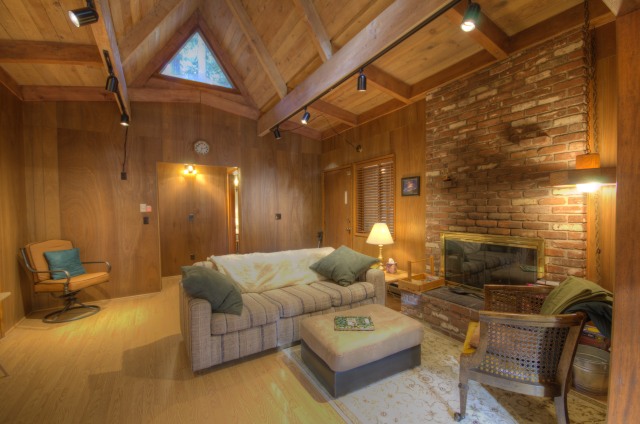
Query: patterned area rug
[[429, 394]]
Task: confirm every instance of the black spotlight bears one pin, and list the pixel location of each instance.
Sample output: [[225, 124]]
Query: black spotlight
[[362, 81], [276, 132], [305, 117], [124, 120], [85, 15], [470, 18], [112, 84]]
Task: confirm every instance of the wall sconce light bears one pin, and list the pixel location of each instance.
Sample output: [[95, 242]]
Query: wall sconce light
[[380, 235], [305, 117], [124, 120], [190, 170], [470, 18], [276, 132], [85, 15], [362, 81], [586, 180]]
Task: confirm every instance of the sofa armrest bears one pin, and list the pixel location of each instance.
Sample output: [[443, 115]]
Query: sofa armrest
[[376, 277], [195, 325]]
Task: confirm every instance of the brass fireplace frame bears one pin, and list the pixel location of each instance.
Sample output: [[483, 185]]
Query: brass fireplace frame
[[513, 241]]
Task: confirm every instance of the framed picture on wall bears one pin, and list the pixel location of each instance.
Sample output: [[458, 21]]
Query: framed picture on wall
[[411, 186]]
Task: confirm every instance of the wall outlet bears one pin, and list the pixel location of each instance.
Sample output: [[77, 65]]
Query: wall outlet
[[192, 256], [145, 220], [278, 216]]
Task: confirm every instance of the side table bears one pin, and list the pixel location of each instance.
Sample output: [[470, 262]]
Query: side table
[[392, 280]]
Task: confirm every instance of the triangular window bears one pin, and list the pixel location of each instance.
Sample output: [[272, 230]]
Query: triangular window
[[196, 62]]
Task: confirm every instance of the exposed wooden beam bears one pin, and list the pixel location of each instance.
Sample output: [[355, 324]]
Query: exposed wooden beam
[[396, 21], [304, 130], [10, 83], [165, 54], [388, 84], [173, 84], [193, 95], [27, 51], [336, 112], [258, 47], [570, 18], [105, 36], [464, 67], [225, 60], [487, 33], [316, 28], [163, 10], [49, 93], [622, 7]]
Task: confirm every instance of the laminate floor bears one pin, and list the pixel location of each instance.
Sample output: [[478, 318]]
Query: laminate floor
[[128, 364]]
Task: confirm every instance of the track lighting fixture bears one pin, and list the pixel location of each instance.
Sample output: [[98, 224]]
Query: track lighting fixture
[[276, 132], [305, 117], [112, 84], [362, 81], [470, 18], [85, 15], [124, 120]]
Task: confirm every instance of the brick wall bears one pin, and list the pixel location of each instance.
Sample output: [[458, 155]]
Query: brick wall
[[497, 134]]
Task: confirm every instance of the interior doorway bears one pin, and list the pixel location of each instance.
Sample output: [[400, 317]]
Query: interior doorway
[[337, 196], [197, 214]]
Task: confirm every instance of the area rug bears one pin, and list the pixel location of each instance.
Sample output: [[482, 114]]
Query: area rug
[[429, 394]]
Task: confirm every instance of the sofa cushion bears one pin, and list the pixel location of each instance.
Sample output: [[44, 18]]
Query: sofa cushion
[[340, 295], [298, 300], [209, 284], [343, 265], [256, 311]]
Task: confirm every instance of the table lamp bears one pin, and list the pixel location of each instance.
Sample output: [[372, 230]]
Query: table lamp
[[380, 235]]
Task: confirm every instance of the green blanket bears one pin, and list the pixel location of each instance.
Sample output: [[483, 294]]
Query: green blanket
[[571, 291]]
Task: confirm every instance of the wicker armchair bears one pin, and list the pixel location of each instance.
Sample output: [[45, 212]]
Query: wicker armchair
[[520, 350]]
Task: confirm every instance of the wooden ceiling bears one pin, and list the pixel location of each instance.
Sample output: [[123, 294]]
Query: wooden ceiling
[[282, 55]]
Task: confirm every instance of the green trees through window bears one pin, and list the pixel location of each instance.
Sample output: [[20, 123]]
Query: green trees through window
[[196, 62]]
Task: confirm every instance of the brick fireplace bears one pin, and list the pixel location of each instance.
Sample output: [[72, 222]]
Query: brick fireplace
[[491, 140]]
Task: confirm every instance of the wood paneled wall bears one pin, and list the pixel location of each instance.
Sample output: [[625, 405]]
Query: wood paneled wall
[[401, 133], [12, 209], [74, 159]]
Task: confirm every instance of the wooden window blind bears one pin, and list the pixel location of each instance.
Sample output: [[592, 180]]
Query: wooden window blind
[[375, 197]]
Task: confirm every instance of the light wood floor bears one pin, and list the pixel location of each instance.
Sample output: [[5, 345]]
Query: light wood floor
[[128, 364]]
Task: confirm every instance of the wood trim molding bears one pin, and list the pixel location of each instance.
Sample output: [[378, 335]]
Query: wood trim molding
[[10, 83]]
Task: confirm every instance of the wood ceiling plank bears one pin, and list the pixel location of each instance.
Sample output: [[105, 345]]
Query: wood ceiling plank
[[166, 53], [146, 27], [105, 37], [260, 50], [10, 83], [34, 93], [622, 7], [380, 110], [340, 114], [489, 35], [464, 67], [25, 51], [335, 130], [391, 25], [316, 29], [388, 83], [304, 130], [571, 18]]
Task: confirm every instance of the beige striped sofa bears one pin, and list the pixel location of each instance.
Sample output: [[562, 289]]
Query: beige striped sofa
[[270, 319]]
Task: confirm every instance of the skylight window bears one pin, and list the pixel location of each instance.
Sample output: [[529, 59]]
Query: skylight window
[[196, 62]]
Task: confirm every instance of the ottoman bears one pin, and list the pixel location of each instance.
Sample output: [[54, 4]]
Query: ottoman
[[344, 361]]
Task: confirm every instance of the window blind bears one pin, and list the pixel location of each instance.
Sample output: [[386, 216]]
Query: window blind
[[375, 197]]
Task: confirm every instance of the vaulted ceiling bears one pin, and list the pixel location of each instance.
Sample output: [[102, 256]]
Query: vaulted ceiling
[[281, 55]]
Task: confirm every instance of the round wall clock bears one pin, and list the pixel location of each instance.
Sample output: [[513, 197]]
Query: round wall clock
[[201, 147]]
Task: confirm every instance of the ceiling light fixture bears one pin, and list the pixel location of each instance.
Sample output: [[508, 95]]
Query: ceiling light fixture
[[124, 120], [305, 117], [362, 81], [276, 132], [470, 18], [85, 15], [112, 84]]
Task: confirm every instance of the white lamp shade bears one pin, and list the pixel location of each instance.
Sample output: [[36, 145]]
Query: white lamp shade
[[380, 235]]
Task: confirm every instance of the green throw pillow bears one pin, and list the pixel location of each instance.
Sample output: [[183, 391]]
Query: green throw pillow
[[343, 265], [209, 284], [68, 260]]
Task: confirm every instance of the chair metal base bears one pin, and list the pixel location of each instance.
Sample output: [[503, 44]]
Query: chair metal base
[[70, 300]]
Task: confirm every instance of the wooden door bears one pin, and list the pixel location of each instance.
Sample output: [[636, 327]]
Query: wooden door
[[192, 215], [337, 195]]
